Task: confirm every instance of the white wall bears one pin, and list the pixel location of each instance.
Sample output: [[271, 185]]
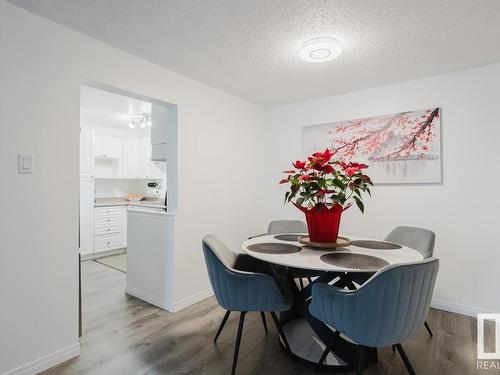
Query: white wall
[[463, 211], [42, 66]]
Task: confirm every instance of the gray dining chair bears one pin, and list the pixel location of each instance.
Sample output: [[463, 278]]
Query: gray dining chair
[[286, 226], [290, 226], [388, 309], [241, 291], [419, 239]]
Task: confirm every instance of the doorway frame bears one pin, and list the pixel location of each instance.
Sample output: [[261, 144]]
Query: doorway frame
[[172, 165]]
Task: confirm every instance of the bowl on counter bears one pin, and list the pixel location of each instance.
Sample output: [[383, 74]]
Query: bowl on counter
[[135, 197]]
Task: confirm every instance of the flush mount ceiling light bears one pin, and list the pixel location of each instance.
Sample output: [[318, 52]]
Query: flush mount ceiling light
[[320, 49]]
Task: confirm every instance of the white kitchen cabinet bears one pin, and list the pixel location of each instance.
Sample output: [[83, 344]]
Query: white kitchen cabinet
[[87, 153], [150, 169], [145, 157], [159, 118], [108, 155], [86, 215], [131, 158], [110, 228], [163, 124], [108, 147], [86, 192]]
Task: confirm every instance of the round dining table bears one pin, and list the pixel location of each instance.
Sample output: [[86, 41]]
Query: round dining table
[[345, 267]]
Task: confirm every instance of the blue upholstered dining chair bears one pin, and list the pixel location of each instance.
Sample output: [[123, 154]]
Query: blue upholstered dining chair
[[419, 239], [241, 291], [388, 309]]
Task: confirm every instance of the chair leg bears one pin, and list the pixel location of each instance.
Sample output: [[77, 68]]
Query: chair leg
[[405, 359], [394, 348], [263, 316], [301, 282], [224, 320], [280, 331], [329, 347], [428, 328], [238, 341], [361, 360], [309, 280]]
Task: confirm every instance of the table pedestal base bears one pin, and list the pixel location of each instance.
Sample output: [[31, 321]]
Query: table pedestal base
[[307, 336], [307, 347]]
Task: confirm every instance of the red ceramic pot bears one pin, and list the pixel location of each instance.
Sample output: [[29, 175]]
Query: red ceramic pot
[[323, 224]]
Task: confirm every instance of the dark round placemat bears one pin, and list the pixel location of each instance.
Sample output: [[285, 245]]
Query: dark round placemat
[[289, 237], [377, 245], [274, 248], [354, 261]]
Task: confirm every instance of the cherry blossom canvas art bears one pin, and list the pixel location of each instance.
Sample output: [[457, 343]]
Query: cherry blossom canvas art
[[400, 148]]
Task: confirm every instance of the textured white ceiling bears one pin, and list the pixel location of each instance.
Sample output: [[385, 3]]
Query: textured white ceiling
[[249, 47], [103, 108]]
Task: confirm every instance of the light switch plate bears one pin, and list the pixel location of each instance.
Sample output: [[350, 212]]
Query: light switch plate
[[24, 164]]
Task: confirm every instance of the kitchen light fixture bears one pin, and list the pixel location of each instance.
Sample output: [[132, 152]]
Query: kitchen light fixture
[[320, 49], [143, 121]]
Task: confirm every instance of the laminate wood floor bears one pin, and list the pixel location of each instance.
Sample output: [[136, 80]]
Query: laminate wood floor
[[124, 335]]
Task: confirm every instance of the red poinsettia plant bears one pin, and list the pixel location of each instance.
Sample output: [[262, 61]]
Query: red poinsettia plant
[[320, 182]]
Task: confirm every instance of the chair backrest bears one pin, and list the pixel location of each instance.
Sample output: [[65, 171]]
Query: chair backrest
[[219, 249], [419, 239], [286, 226], [237, 290], [219, 260], [391, 307]]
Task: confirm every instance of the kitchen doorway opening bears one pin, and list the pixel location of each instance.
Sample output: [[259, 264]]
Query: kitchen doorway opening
[[128, 163]]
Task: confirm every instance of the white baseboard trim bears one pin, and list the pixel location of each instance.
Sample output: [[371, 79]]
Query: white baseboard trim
[[191, 300], [459, 309], [47, 362], [172, 307], [150, 298]]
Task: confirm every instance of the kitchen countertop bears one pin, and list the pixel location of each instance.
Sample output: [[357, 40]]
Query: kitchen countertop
[[122, 201]]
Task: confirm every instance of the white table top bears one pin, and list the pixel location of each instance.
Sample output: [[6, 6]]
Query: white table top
[[310, 259]]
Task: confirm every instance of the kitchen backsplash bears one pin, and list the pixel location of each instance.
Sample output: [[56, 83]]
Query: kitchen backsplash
[[115, 187]]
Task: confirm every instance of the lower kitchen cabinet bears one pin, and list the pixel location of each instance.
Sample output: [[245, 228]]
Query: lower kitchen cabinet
[[110, 228]]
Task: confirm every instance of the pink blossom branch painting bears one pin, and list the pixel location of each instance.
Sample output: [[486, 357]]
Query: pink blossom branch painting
[[400, 148]]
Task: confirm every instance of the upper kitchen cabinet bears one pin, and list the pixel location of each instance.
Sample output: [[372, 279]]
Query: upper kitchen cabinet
[[108, 147], [108, 155], [132, 158], [145, 157], [161, 119], [150, 168]]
